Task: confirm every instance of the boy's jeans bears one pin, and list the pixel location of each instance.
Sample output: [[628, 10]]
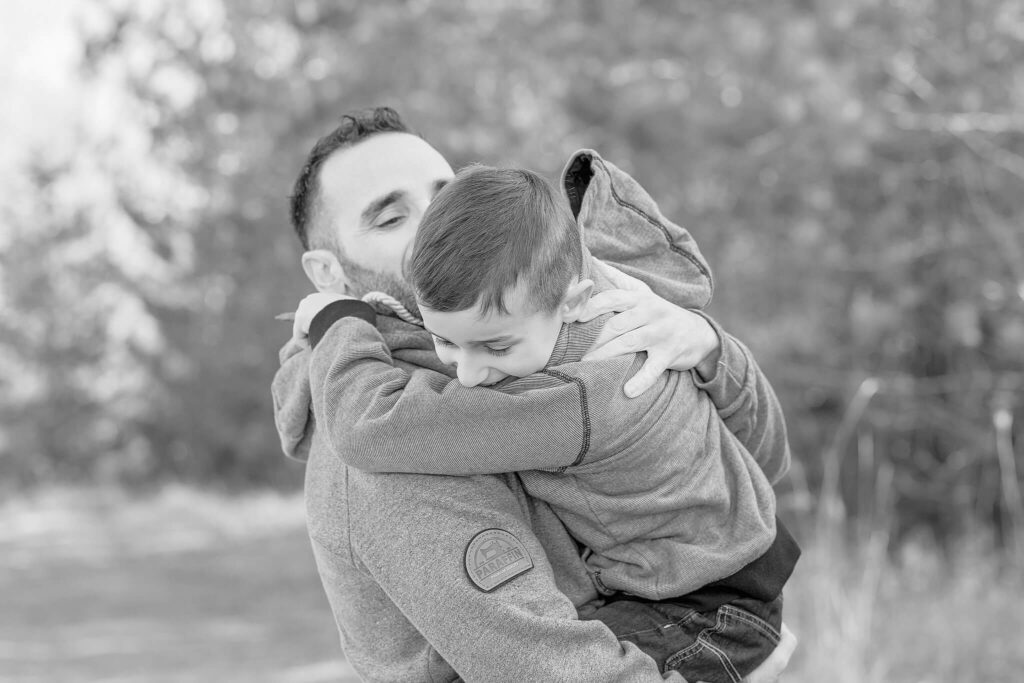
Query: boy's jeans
[[719, 646]]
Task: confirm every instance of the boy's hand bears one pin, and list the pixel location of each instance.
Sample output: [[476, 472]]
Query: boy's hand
[[673, 337], [307, 310]]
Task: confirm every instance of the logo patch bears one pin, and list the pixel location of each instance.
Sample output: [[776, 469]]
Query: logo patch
[[494, 557]]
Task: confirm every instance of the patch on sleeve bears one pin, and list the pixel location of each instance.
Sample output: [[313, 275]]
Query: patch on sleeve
[[495, 557]]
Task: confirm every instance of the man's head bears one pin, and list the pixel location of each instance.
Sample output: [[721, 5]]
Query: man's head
[[496, 270], [359, 200]]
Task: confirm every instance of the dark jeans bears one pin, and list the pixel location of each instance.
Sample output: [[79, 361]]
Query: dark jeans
[[720, 646]]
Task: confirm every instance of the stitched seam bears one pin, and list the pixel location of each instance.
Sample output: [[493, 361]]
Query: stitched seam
[[703, 643], [426, 665], [676, 623], [726, 662], [664, 231], [698, 647], [343, 551], [585, 410], [348, 521], [752, 620], [720, 623]]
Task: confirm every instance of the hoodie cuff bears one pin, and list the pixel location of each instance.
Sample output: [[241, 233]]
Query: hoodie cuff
[[724, 353], [335, 311]]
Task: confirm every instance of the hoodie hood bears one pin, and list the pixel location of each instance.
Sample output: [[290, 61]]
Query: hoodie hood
[[623, 226]]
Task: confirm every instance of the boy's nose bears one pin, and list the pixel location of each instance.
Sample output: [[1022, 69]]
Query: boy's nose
[[447, 355], [469, 375]]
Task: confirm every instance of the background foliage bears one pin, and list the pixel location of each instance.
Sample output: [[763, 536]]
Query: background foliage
[[851, 168]]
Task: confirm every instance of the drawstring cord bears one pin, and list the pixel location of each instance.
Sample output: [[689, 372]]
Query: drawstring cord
[[380, 299]]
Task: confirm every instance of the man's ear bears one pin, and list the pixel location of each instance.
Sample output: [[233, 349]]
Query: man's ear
[[576, 297], [325, 271]]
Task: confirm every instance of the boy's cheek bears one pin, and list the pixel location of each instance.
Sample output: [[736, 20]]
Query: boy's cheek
[[442, 354], [524, 367]]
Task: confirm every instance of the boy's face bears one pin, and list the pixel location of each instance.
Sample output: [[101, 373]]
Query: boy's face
[[488, 349]]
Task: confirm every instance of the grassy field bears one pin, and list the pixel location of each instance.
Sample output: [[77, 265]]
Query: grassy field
[[187, 586], [181, 587]]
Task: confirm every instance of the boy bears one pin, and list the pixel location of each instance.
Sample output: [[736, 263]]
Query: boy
[[671, 511]]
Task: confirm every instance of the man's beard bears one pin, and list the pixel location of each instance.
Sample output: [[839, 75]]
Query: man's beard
[[363, 280]]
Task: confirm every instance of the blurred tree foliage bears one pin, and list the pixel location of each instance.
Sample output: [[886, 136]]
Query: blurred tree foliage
[[852, 169]]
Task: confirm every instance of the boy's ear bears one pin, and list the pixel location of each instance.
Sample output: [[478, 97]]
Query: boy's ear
[[576, 297], [325, 271]]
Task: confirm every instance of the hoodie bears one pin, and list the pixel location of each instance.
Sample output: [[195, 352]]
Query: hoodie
[[613, 212]]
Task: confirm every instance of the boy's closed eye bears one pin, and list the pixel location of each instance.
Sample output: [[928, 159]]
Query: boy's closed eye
[[494, 351]]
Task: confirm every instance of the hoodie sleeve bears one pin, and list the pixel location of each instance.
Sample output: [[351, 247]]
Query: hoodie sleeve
[[379, 417], [290, 391], [747, 404]]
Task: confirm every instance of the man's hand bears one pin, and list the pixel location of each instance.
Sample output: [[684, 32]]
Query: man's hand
[[673, 337], [307, 310], [771, 669]]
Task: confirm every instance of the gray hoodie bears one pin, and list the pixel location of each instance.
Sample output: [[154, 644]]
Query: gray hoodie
[[352, 514]]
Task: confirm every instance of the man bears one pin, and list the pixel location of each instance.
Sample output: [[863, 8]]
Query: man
[[393, 550]]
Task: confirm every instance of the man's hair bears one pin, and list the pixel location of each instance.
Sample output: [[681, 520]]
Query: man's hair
[[355, 127], [486, 231]]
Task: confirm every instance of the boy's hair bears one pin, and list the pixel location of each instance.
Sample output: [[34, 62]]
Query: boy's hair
[[355, 127], [488, 230]]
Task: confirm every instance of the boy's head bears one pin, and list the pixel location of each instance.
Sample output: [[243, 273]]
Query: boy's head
[[496, 270]]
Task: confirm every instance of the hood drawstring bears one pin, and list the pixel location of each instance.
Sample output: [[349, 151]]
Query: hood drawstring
[[382, 300]]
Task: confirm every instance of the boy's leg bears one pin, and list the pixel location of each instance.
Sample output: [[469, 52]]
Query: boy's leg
[[718, 646]]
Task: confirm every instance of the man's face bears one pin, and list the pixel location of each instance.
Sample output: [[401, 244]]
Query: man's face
[[374, 195], [487, 349]]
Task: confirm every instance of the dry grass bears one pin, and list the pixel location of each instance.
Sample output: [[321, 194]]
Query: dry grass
[[919, 616], [187, 586]]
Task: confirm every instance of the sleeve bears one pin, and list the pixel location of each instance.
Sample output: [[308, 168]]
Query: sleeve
[[747, 404], [290, 393], [523, 630], [382, 418], [378, 641]]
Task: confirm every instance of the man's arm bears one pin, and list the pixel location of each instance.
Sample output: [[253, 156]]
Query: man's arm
[[381, 418], [378, 641], [411, 533]]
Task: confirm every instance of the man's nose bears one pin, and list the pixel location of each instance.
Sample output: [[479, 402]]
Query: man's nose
[[469, 374]]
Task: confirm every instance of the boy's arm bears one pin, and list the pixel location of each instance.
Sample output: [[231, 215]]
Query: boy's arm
[[680, 339], [381, 418]]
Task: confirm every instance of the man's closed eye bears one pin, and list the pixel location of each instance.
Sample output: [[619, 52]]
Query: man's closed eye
[[389, 222]]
